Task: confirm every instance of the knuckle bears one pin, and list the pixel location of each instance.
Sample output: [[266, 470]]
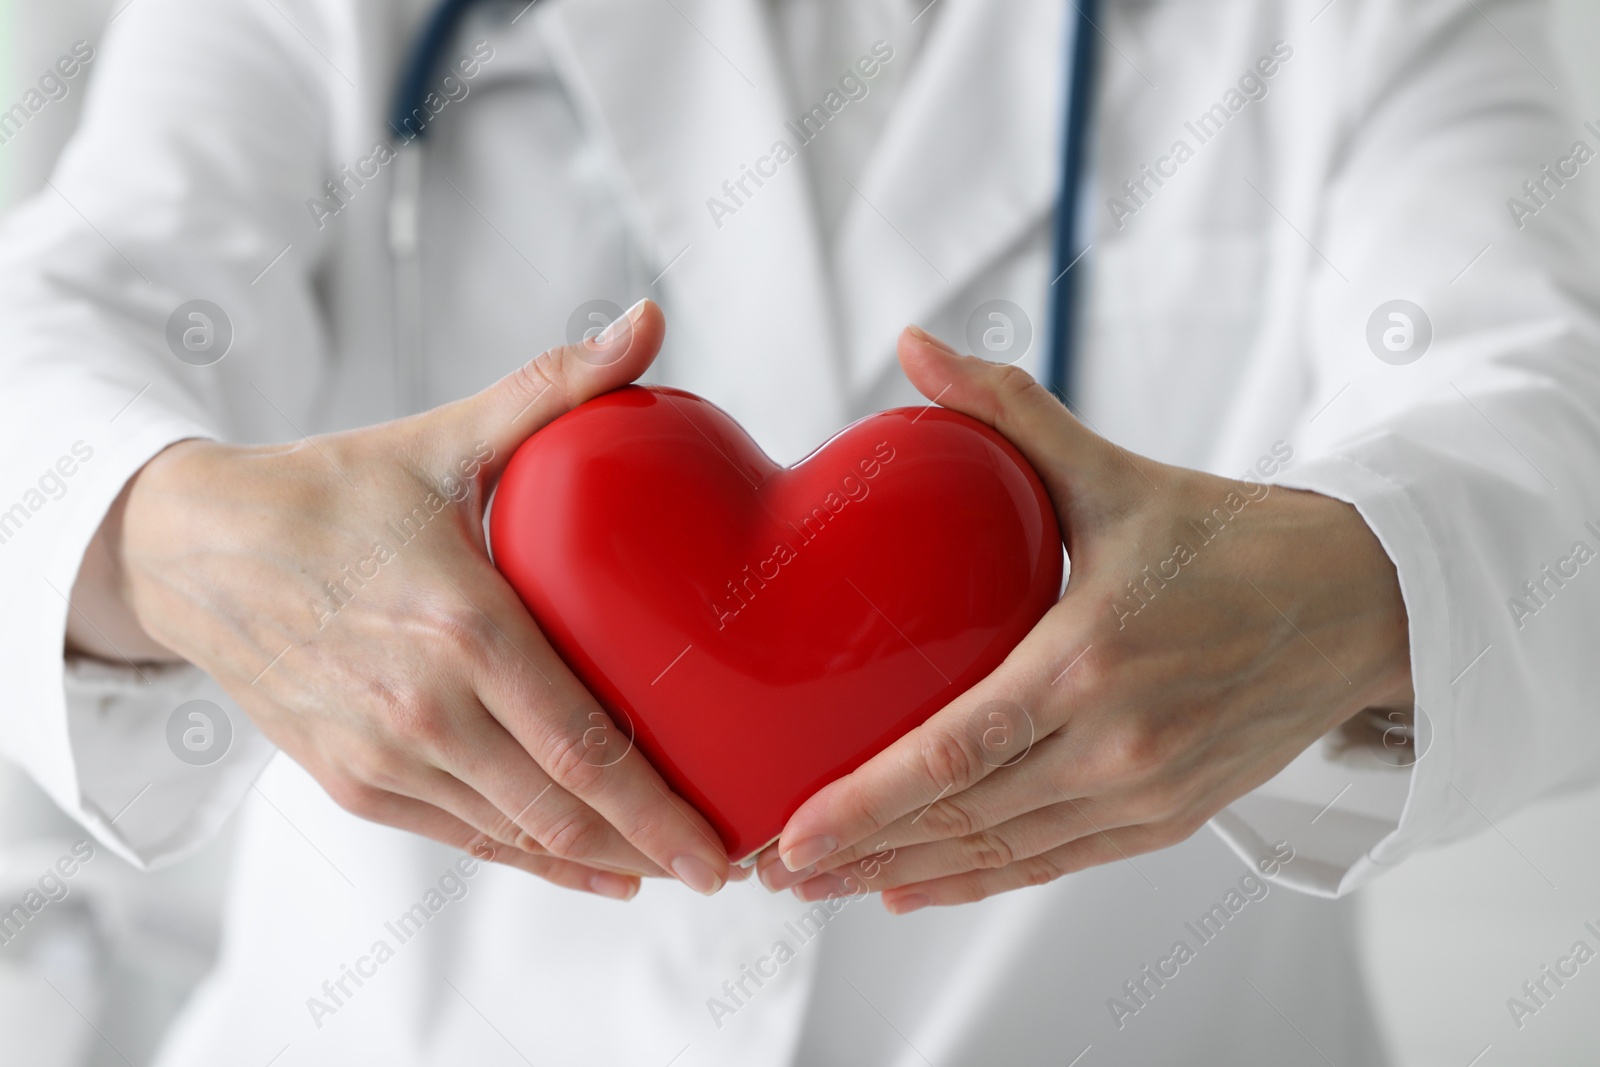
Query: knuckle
[[1013, 383], [409, 714], [491, 849], [542, 374], [500, 827], [865, 807], [578, 835], [421, 724], [988, 850], [460, 632], [646, 827], [949, 761], [1016, 390], [568, 759], [952, 817], [1134, 748], [1040, 870]]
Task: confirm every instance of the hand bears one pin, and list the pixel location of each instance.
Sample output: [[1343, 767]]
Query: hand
[[340, 590], [1184, 666]]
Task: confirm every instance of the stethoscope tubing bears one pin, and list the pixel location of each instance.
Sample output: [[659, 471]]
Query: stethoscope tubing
[[1068, 246]]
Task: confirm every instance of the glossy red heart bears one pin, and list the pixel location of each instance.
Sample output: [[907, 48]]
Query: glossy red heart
[[763, 630]]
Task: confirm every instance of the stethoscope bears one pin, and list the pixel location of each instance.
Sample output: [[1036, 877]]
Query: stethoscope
[[1068, 247]]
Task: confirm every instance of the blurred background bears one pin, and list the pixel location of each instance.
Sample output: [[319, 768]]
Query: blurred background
[[1449, 937]]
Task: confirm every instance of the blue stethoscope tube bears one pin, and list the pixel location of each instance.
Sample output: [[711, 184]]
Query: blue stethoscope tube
[[416, 77], [1077, 108], [1069, 248]]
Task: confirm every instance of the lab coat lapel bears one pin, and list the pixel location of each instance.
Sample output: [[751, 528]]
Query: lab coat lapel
[[690, 95], [967, 164]]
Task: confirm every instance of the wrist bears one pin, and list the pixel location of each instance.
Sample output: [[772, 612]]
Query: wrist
[[151, 542], [103, 621], [1362, 590], [1307, 566]]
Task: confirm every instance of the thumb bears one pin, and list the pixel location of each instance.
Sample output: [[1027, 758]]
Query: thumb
[[1009, 400], [496, 420]]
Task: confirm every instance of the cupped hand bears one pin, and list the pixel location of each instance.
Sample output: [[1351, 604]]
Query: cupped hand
[[341, 591], [1211, 630]]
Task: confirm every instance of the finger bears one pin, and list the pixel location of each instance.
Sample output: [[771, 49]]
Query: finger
[[938, 780], [1092, 850], [1010, 842], [1008, 399], [454, 754], [500, 765], [406, 813], [774, 875], [610, 884], [554, 382], [1020, 788], [944, 756], [442, 789], [554, 718], [1031, 783], [524, 797]]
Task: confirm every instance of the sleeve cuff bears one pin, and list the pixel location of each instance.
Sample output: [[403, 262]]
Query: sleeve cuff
[[95, 736], [162, 756]]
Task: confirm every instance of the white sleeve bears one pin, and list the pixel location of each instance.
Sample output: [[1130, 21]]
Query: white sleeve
[[204, 134], [1478, 464]]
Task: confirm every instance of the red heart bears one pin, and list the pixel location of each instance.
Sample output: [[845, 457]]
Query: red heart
[[761, 630]]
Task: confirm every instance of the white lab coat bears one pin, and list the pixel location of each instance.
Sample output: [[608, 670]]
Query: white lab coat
[[1227, 315]]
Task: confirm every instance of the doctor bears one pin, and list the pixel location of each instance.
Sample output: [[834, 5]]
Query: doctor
[[230, 369]]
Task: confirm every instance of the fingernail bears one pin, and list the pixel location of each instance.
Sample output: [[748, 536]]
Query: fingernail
[[613, 885], [927, 338], [777, 877], [619, 325], [907, 904], [809, 851], [696, 873]]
